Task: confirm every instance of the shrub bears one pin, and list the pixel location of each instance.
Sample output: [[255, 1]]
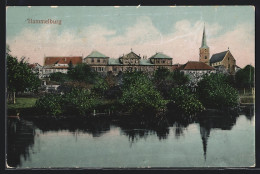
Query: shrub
[[215, 91], [139, 95], [79, 101], [49, 104], [185, 101]]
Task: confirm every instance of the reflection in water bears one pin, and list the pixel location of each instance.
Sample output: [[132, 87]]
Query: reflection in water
[[136, 128], [210, 121], [20, 137], [21, 134]]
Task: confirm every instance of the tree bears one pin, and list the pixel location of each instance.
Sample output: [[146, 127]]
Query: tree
[[139, 95], [165, 80], [20, 77], [70, 66], [245, 77], [184, 101], [82, 73], [215, 91], [59, 77]]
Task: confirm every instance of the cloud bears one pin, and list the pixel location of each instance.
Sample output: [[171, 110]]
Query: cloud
[[182, 42]]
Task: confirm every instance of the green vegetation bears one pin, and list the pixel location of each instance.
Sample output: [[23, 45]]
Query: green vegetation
[[245, 77], [50, 104], [78, 101], [59, 77], [185, 102], [164, 80], [215, 92], [20, 77], [22, 103], [139, 95]]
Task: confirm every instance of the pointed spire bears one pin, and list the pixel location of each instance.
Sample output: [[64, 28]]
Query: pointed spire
[[204, 41]]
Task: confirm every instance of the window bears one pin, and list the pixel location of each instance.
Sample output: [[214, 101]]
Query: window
[[98, 60], [115, 69], [92, 60], [104, 61], [99, 68], [163, 61], [205, 57]]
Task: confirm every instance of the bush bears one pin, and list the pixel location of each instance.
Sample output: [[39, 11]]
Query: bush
[[215, 91], [59, 77], [139, 95], [185, 102], [50, 104], [79, 101]]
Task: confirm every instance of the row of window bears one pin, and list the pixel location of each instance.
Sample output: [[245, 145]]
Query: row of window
[[98, 60]]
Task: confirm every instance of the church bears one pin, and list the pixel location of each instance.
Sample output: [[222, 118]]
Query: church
[[223, 60]]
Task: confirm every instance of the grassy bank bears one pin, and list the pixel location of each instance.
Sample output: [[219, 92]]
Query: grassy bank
[[22, 104]]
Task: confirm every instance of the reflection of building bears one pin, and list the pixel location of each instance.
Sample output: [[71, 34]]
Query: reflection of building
[[59, 64], [204, 133], [225, 59], [196, 71], [211, 120], [128, 62]]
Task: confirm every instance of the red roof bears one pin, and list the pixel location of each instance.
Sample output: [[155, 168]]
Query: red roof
[[62, 60], [194, 65], [175, 66]]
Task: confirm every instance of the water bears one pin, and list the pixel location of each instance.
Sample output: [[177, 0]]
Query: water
[[211, 141]]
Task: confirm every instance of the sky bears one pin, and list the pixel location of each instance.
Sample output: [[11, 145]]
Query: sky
[[176, 31]]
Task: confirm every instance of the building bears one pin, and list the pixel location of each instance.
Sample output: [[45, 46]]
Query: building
[[59, 64], [224, 62], [196, 70], [128, 62], [37, 69], [204, 49], [224, 59], [98, 61]]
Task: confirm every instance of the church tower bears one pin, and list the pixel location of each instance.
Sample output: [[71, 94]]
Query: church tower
[[204, 49]]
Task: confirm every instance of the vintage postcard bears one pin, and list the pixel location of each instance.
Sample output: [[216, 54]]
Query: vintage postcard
[[130, 87]]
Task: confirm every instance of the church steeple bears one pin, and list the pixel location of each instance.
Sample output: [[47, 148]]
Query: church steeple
[[204, 49], [204, 40]]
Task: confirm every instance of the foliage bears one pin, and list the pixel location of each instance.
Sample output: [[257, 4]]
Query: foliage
[[245, 77], [19, 76], [185, 101], [79, 101], [215, 92], [50, 104], [59, 77], [100, 86], [22, 102], [82, 73], [111, 80], [165, 80], [139, 95]]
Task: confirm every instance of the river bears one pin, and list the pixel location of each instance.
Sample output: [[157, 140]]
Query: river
[[104, 143]]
